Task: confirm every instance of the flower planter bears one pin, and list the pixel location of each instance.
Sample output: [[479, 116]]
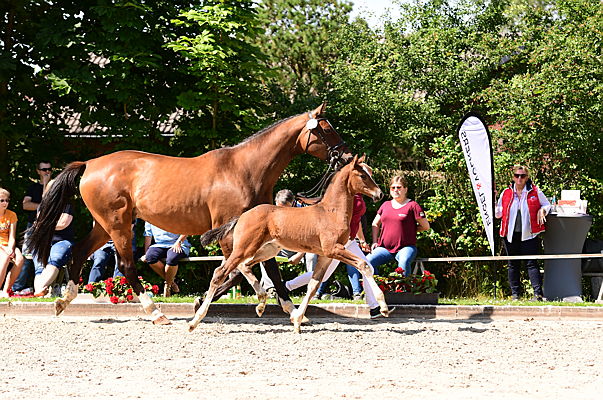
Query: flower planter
[[392, 298]]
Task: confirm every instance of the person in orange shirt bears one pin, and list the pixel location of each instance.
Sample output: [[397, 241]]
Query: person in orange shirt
[[9, 253]]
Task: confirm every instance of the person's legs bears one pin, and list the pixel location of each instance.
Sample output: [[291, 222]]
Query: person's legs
[[531, 247], [4, 262], [60, 253], [354, 277], [171, 269], [14, 272], [25, 278], [379, 256], [100, 259], [405, 257], [514, 266], [153, 256]]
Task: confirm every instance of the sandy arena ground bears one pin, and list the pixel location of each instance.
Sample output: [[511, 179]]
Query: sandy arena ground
[[79, 357]]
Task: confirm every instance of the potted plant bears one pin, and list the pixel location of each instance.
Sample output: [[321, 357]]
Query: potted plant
[[117, 289], [412, 289]]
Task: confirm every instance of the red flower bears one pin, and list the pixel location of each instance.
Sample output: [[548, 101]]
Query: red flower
[[155, 289], [130, 291], [89, 287], [123, 280], [109, 280], [129, 297], [400, 270], [114, 299], [81, 280]]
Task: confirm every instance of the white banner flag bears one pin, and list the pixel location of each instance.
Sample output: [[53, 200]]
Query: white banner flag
[[475, 141]]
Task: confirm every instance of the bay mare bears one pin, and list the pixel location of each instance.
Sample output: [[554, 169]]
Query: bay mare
[[181, 195], [324, 228]]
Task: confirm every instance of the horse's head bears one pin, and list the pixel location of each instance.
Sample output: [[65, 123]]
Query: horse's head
[[320, 139], [360, 179]]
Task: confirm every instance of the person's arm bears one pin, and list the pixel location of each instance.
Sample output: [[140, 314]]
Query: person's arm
[[29, 205], [545, 208], [296, 258], [498, 210], [423, 225], [147, 242], [376, 228], [177, 246], [364, 246], [64, 221], [12, 239]]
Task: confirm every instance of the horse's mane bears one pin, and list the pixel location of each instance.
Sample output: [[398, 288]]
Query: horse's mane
[[264, 131]]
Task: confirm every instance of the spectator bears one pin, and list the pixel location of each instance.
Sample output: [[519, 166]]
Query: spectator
[[24, 283], [395, 228], [523, 209], [60, 251], [168, 246], [9, 253]]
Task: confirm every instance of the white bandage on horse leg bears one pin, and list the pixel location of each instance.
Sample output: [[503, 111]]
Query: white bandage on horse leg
[[147, 304], [70, 292]]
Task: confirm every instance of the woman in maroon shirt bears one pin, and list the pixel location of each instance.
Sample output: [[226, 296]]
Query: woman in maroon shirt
[[395, 228]]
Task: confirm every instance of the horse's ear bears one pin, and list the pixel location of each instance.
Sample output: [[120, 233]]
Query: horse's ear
[[355, 160], [320, 110], [362, 158]]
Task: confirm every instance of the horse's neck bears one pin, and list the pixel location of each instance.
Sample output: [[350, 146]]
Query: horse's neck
[[268, 156], [338, 196]]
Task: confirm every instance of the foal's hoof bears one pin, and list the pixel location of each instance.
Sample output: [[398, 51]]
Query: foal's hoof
[[197, 303], [259, 309], [162, 320], [59, 306], [191, 327]]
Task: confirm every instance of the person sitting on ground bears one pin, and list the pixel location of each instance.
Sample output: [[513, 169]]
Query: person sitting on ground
[[10, 255], [168, 246], [60, 251]]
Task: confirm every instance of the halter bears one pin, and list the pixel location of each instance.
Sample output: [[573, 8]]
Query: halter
[[334, 153]]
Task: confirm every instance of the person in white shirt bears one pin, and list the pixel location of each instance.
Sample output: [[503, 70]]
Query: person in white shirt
[[523, 209]]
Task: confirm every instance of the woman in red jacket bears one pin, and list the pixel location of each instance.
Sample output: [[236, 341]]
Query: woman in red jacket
[[523, 209]]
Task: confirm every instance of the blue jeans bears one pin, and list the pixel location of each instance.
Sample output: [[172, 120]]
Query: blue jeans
[[404, 257], [60, 254], [354, 277], [102, 259], [25, 278]]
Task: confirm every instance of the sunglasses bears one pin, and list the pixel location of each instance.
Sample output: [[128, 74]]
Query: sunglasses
[[520, 175], [4, 200], [45, 169], [396, 187]]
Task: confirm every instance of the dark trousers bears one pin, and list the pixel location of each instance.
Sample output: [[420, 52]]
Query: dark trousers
[[520, 248]]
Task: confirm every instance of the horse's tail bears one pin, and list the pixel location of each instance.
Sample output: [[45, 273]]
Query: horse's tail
[[53, 204], [218, 233]]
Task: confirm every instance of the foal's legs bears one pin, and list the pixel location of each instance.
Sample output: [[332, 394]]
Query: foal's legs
[[255, 284], [342, 254], [218, 278], [80, 252], [297, 316]]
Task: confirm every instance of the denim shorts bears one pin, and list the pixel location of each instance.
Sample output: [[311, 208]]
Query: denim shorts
[[155, 254]]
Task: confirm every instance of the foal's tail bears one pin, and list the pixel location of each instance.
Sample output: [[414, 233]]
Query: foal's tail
[[219, 233], [53, 204]]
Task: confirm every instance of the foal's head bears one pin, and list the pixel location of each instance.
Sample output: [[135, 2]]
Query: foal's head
[[360, 179], [320, 139]]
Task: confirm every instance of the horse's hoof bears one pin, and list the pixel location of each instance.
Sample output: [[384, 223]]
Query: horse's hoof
[[59, 306], [259, 309], [191, 327], [287, 307], [162, 320], [197, 303], [297, 328]]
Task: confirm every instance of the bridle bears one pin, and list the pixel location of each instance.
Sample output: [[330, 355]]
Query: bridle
[[334, 153]]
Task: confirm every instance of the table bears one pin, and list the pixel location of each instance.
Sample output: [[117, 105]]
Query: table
[[565, 234]]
